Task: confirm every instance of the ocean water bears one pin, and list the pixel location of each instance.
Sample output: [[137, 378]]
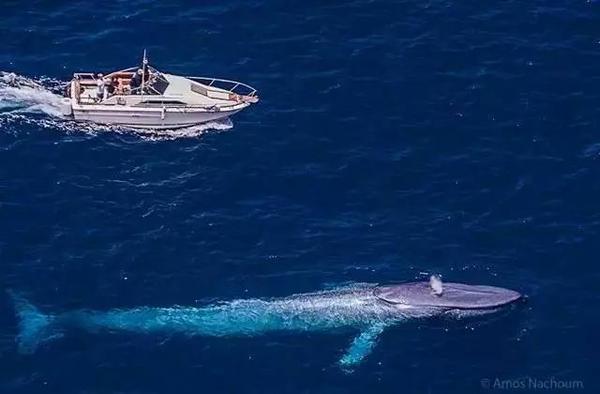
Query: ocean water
[[393, 140]]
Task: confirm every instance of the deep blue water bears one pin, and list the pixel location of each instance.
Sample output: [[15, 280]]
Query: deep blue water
[[393, 140]]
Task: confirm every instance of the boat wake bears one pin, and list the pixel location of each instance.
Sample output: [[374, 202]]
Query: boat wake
[[38, 102], [19, 94], [186, 132]]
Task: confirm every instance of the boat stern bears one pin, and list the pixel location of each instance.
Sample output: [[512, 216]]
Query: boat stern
[[66, 107]]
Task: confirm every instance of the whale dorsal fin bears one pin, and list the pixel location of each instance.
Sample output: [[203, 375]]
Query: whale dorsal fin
[[361, 346]]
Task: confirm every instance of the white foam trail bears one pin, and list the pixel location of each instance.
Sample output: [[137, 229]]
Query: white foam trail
[[72, 127], [22, 97], [19, 94], [186, 132]]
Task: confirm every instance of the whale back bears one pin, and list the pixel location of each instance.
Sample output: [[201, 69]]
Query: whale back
[[454, 295]]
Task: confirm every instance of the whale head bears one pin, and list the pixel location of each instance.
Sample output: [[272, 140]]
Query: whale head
[[433, 295]]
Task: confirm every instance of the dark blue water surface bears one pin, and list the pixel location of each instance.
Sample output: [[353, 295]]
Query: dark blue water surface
[[393, 140]]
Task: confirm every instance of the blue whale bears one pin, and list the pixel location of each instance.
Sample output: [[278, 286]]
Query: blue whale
[[368, 309]]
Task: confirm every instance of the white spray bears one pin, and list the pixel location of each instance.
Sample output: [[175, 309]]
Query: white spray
[[436, 285], [19, 94]]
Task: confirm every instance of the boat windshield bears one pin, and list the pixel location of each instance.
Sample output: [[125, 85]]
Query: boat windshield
[[157, 82], [154, 83]]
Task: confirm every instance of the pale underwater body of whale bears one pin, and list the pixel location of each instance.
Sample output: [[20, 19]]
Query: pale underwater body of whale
[[367, 308]]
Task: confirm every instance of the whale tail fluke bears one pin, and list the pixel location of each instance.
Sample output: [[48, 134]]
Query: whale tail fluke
[[35, 327]]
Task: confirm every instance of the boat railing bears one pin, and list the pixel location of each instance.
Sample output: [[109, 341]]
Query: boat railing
[[234, 87], [211, 87], [230, 86], [91, 79], [85, 78]]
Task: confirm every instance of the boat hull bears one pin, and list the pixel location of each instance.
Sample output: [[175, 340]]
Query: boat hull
[[149, 118]]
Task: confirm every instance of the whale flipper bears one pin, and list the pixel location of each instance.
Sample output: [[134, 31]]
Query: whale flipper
[[361, 346]]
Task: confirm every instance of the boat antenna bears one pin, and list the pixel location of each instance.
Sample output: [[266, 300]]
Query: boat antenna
[[144, 70]]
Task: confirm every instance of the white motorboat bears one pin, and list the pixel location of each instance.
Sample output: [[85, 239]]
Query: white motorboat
[[157, 101]]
